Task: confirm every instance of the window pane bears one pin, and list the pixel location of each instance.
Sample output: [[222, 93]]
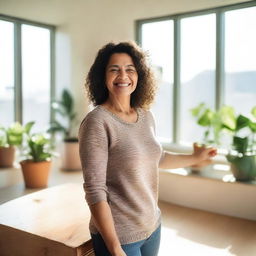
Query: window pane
[[198, 42], [6, 73], [157, 39], [36, 75], [240, 59]]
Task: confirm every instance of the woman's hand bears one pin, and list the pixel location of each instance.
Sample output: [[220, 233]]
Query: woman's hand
[[118, 252], [203, 154]]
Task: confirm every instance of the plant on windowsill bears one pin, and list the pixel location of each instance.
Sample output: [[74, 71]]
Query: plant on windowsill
[[241, 129], [10, 138], [64, 108], [37, 152], [243, 154]]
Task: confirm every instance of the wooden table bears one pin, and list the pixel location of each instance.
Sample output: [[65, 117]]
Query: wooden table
[[52, 222]]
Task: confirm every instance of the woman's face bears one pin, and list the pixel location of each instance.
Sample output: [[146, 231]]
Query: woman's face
[[121, 75]]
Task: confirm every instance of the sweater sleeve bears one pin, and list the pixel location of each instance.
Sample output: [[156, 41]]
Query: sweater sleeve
[[93, 149]]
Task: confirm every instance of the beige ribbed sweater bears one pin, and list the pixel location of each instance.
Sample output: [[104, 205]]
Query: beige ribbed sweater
[[120, 165]]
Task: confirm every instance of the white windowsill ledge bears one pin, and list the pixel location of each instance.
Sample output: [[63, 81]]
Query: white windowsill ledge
[[219, 171]]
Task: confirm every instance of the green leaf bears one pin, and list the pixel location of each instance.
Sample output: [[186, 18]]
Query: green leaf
[[227, 117], [64, 107], [72, 116], [15, 128], [28, 126], [206, 118], [67, 101], [44, 157], [3, 141], [241, 122], [253, 111], [15, 134], [252, 126], [197, 110], [240, 144], [40, 139]]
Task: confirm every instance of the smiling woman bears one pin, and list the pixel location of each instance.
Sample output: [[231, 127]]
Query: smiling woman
[[120, 155]]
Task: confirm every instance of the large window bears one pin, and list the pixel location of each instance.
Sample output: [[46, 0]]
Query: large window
[[26, 78], [36, 74], [197, 70], [162, 64], [207, 56], [6, 73], [240, 59]]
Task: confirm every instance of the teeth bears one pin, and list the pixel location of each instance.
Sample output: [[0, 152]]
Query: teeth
[[122, 85]]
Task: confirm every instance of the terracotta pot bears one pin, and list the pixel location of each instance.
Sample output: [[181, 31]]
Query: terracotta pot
[[35, 173], [7, 156], [70, 156]]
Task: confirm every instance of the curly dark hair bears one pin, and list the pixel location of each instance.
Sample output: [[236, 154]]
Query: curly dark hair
[[96, 87]]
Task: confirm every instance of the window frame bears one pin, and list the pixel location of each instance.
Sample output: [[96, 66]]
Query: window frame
[[220, 61], [17, 23]]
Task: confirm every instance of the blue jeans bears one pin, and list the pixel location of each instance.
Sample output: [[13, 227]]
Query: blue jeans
[[146, 247]]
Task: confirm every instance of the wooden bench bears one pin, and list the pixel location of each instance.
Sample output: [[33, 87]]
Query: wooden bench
[[52, 222]]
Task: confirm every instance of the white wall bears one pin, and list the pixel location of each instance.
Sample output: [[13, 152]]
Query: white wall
[[229, 198], [83, 26]]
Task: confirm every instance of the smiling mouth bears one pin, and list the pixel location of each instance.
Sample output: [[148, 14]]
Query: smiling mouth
[[122, 84]]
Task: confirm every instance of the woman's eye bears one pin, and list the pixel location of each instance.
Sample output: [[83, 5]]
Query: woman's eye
[[114, 70], [130, 70]]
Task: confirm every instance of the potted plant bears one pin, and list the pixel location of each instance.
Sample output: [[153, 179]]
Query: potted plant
[[10, 138], [241, 129], [37, 163], [243, 154], [65, 124]]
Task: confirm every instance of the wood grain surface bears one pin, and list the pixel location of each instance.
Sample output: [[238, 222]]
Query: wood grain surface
[[52, 221]]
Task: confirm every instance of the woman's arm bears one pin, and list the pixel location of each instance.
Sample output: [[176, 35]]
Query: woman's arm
[[201, 156], [103, 219], [93, 147]]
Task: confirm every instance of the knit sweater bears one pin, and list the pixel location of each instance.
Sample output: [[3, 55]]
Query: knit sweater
[[120, 165]]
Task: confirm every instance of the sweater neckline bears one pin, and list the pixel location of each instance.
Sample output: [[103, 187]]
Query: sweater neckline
[[119, 118]]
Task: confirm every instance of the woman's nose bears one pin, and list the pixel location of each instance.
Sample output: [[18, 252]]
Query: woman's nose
[[122, 73]]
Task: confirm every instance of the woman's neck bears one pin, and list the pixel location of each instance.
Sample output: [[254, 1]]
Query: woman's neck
[[119, 106]]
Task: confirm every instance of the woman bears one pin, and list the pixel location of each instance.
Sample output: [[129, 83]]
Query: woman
[[120, 155]]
